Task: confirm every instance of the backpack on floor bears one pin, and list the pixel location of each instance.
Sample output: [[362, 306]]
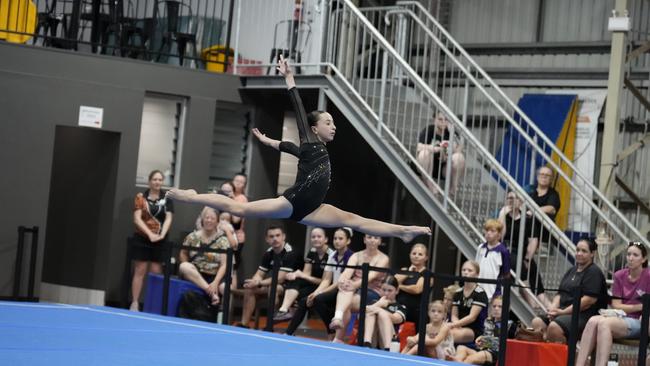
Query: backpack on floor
[[194, 305]]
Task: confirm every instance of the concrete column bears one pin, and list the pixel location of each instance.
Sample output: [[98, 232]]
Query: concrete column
[[612, 110]]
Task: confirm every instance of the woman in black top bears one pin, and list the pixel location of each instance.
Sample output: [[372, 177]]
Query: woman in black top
[[511, 218], [303, 202], [590, 279], [411, 286], [152, 217]]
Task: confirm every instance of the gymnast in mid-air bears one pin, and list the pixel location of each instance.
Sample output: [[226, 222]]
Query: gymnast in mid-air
[[303, 202]]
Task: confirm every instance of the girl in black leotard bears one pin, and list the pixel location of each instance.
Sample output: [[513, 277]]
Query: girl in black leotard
[[303, 202]]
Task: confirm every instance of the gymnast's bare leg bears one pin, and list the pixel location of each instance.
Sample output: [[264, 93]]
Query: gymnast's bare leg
[[279, 208]]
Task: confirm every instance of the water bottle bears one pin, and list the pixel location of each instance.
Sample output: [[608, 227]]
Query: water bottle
[[394, 344], [613, 359]]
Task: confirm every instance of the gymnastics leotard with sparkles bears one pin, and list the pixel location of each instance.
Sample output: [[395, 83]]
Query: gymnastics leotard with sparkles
[[313, 177]]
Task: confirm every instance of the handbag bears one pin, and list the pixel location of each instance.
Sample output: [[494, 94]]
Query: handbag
[[524, 333]]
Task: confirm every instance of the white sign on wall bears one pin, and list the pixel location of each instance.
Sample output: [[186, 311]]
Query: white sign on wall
[[91, 116]]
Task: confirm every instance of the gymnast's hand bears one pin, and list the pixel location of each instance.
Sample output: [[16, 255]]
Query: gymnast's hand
[[283, 67], [260, 136]]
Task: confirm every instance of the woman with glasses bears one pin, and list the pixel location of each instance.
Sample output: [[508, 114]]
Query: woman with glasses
[[629, 284], [548, 200]]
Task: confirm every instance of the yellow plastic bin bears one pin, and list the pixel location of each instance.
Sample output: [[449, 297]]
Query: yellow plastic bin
[[19, 18], [215, 58]]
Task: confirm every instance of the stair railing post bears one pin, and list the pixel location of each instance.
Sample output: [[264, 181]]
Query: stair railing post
[[382, 90]]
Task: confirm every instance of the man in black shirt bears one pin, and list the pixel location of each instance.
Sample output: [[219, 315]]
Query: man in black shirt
[[260, 283], [433, 155]]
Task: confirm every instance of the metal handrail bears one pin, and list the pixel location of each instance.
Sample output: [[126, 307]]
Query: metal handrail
[[422, 85], [493, 163], [530, 123]]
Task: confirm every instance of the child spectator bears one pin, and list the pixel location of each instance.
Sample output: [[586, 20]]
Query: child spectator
[[411, 286], [384, 315], [467, 309], [438, 342], [488, 344], [493, 257]]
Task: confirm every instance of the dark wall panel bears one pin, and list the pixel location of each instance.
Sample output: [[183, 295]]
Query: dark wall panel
[[42, 89]]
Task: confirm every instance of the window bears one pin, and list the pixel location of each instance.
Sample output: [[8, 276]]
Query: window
[[160, 138]]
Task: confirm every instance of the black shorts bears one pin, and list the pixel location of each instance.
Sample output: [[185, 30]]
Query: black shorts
[[144, 250], [564, 321]]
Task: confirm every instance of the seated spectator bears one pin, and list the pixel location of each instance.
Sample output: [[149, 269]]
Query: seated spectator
[[239, 184], [260, 283], [439, 342], [432, 153], [152, 217], [493, 257], [629, 284], [488, 344], [591, 281], [467, 310], [411, 286], [323, 299], [207, 269], [300, 284], [225, 222], [548, 200], [348, 298], [511, 218], [448, 298], [384, 315], [225, 189]]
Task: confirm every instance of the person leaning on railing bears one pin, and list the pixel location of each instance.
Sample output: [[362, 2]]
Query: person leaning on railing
[[629, 284], [589, 279]]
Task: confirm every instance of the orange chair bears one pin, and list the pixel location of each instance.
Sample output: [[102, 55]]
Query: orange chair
[[406, 330]]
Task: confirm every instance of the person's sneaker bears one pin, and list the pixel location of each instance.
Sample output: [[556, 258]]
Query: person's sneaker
[[135, 306], [282, 316], [240, 325]]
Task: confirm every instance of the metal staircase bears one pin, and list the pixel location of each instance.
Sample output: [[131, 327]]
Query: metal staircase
[[389, 97]]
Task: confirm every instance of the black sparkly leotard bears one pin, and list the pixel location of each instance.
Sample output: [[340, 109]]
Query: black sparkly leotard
[[313, 177]]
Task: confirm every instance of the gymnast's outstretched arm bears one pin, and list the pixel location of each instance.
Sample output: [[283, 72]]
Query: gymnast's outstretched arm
[[284, 146], [266, 140], [304, 130]]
